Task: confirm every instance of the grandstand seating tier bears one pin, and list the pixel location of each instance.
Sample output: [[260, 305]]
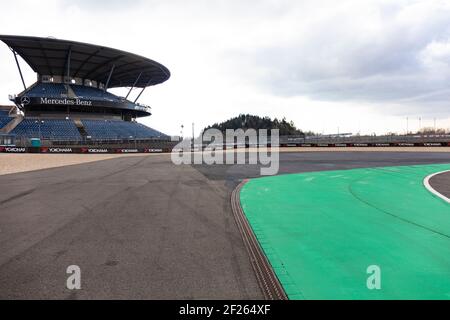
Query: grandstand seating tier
[[93, 93], [47, 90], [65, 129], [58, 90], [117, 129], [47, 129], [4, 118]]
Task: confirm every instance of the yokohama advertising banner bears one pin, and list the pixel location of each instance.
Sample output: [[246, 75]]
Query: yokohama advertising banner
[[13, 149], [94, 150], [56, 150], [127, 151]]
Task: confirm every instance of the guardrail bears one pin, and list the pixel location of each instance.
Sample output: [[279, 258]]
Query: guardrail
[[143, 145], [9, 149]]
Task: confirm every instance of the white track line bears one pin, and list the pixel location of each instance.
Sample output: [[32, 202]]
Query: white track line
[[426, 183]]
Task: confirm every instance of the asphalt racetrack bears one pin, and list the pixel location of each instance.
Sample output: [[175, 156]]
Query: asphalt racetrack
[[441, 183], [141, 227]]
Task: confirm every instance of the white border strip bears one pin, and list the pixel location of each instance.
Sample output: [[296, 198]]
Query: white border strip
[[426, 183]]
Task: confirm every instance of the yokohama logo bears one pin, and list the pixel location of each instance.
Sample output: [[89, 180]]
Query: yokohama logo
[[153, 150], [127, 150], [60, 150], [56, 150], [92, 150], [12, 149]]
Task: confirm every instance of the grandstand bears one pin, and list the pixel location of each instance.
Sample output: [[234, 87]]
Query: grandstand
[[70, 102], [4, 118]]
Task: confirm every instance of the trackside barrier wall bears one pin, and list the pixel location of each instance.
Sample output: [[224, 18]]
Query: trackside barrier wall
[[77, 150], [344, 145], [162, 150]]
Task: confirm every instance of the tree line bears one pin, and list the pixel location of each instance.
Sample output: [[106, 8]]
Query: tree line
[[248, 121]]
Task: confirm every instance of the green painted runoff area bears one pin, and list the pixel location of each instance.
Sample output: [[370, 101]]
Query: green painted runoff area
[[322, 230]]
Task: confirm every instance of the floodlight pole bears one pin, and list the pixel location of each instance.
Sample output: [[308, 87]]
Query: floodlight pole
[[193, 138], [109, 77], [69, 54], [135, 82], [18, 67], [407, 125]]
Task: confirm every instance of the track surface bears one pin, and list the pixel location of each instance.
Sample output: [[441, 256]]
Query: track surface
[[265, 274], [338, 223], [441, 183], [140, 227]]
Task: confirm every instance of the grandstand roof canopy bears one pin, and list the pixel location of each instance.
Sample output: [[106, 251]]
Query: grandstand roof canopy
[[49, 56]]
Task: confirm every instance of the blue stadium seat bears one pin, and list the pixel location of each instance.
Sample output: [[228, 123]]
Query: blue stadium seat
[[47, 129], [53, 90], [93, 93], [62, 129], [4, 118], [58, 90], [118, 129]]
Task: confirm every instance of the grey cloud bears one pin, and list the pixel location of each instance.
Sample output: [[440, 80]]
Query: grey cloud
[[342, 60]]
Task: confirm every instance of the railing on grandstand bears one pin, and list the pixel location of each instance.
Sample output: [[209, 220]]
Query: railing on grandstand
[[155, 142]]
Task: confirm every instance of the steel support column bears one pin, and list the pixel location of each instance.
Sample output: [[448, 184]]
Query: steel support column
[[135, 82], [142, 91], [18, 67], [109, 77]]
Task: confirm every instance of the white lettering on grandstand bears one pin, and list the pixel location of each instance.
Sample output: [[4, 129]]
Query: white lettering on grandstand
[[66, 101], [60, 150], [129, 150]]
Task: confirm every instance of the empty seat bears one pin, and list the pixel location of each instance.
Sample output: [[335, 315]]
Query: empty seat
[[4, 118], [58, 90], [53, 90], [47, 129], [118, 129], [93, 93]]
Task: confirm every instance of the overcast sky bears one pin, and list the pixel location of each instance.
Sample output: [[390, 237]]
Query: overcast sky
[[353, 66]]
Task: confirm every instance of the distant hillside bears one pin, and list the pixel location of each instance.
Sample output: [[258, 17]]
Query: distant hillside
[[247, 121]]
